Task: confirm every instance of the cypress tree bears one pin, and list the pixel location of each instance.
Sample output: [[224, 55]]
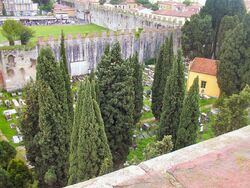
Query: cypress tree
[[116, 95], [29, 125], [162, 69], [187, 131], [54, 154], [66, 77], [90, 155], [227, 23], [73, 160], [172, 102], [138, 87], [231, 60]]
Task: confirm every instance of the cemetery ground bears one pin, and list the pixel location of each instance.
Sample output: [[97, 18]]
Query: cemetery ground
[[55, 30], [9, 128], [145, 131]]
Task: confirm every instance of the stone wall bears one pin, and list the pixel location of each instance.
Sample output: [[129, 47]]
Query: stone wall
[[119, 19], [83, 52], [17, 67]]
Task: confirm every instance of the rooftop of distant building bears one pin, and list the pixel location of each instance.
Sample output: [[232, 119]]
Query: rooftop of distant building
[[204, 66]]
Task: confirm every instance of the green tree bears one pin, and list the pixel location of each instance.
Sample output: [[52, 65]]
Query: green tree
[[29, 123], [90, 147], [138, 87], [227, 23], [101, 2], [189, 123], [53, 117], [11, 30], [26, 33], [66, 77], [116, 95], [5, 181], [162, 69], [4, 10], [19, 173], [232, 60], [173, 99], [7, 152], [197, 37], [217, 10], [233, 113], [159, 148]]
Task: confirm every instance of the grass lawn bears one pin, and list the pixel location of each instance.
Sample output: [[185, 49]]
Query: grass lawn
[[55, 30], [4, 124], [138, 152]]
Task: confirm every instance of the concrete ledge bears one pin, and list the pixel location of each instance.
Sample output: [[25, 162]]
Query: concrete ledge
[[223, 161]]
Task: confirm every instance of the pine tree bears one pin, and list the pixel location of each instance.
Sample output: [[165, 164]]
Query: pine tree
[[187, 131], [217, 10], [162, 69], [172, 102], [116, 94], [138, 87], [90, 155], [66, 77], [227, 23], [53, 117], [233, 113], [29, 123], [231, 60]]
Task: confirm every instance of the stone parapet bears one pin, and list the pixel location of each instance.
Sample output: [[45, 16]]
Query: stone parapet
[[223, 161]]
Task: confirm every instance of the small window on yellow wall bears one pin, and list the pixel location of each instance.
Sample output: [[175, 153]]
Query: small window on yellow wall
[[203, 84]]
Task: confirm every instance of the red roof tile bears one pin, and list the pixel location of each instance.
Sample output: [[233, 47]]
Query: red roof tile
[[186, 14], [204, 66]]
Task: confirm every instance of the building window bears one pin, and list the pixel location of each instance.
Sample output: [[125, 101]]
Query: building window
[[203, 84]]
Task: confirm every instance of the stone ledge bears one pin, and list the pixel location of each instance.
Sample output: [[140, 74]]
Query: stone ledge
[[221, 161]]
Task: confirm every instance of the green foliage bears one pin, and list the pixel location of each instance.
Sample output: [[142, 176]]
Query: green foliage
[[47, 108], [101, 2], [11, 30], [148, 4], [233, 70], [227, 23], [172, 101], [26, 34], [115, 2], [197, 37], [187, 2], [138, 87], [5, 181], [137, 155], [116, 94], [66, 77], [189, 123], [50, 177], [162, 69], [90, 155], [201, 34], [217, 10], [19, 173], [233, 113], [45, 5], [14, 30], [29, 123], [4, 10], [159, 148], [7, 152]]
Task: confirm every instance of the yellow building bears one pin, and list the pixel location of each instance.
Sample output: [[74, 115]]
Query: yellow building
[[206, 70]]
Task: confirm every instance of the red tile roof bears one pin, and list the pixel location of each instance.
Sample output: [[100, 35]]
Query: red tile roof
[[204, 66], [174, 13]]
